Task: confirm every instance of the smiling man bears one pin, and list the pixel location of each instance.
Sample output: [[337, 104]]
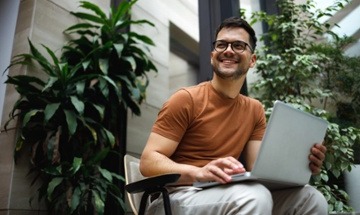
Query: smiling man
[[202, 130]]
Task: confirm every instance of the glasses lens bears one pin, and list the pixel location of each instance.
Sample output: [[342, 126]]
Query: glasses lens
[[220, 45], [236, 46]]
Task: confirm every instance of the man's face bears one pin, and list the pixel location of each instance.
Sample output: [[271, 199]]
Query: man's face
[[230, 64]]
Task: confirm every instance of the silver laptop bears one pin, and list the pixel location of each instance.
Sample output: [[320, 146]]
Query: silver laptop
[[282, 160]]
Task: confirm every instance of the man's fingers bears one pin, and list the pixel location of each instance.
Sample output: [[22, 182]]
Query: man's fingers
[[220, 170], [319, 151], [228, 162], [314, 169], [317, 158]]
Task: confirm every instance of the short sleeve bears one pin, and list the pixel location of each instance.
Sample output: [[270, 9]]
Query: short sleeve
[[175, 116]]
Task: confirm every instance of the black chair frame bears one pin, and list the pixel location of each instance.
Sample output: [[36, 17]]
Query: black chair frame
[[153, 186]]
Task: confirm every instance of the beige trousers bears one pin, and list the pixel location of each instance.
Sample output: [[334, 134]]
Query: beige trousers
[[243, 198]]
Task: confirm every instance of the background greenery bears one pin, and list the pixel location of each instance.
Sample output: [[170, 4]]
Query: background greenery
[[71, 114], [304, 63]]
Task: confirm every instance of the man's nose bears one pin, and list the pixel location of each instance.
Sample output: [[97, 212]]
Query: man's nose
[[229, 49]]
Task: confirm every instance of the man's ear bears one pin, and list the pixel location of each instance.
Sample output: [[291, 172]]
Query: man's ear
[[252, 60]]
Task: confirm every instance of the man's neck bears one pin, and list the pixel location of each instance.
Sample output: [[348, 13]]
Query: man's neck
[[228, 87]]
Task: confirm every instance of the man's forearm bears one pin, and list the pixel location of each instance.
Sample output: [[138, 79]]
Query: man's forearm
[[158, 164]]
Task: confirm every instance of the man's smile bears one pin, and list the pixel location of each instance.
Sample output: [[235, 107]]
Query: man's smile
[[228, 61]]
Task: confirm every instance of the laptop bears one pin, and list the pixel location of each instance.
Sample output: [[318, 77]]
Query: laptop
[[282, 161]]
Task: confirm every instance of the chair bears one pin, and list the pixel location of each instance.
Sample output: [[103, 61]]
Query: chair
[[139, 188]]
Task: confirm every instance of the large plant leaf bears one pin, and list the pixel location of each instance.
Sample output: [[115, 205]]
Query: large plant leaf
[[94, 8], [80, 87], [54, 58], [91, 129], [119, 47], [36, 55], [64, 72], [110, 137], [51, 81], [77, 162], [71, 120], [52, 185], [106, 174], [24, 83], [104, 65], [79, 105], [78, 26], [88, 17], [50, 110], [75, 199], [141, 38], [100, 109], [99, 203], [122, 10], [29, 115], [131, 61], [118, 177]]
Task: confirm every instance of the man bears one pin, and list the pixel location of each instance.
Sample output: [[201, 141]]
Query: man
[[202, 130]]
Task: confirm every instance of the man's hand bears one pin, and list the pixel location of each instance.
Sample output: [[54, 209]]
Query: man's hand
[[220, 170], [317, 158]]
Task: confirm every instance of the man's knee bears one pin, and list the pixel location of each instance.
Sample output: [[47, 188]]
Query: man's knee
[[258, 200], [262, 198], [316, 201]]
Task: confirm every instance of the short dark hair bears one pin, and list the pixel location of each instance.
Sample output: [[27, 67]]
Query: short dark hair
[[241, 23]]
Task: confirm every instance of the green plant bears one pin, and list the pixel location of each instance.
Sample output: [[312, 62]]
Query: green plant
[[292, 69], [342, 77], [71, 115]]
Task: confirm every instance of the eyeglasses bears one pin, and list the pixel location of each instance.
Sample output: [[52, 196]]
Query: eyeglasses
[[237, 46]]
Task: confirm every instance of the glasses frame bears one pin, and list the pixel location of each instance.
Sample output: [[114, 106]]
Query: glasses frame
[[231, 45]]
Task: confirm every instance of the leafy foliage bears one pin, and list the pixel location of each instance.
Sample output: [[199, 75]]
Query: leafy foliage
[[294, 67], [71, 115], [345, 85]]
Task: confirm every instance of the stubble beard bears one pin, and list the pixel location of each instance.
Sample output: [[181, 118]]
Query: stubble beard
[[234, 75]]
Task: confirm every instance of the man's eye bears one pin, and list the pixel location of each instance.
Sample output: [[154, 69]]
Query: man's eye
[[221, 45], [238, 45]]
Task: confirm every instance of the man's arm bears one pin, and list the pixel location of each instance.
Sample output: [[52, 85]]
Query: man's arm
[[250, 153], [155, 161]]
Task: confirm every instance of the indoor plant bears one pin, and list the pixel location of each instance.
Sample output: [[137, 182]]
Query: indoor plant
[[71, 114]]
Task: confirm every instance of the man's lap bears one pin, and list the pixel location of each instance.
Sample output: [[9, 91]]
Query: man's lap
[[242, 198]]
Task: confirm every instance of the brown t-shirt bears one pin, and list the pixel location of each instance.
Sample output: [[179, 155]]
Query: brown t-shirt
[[208, 125]]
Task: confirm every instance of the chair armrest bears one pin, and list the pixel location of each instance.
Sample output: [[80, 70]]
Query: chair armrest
[[152, 184]]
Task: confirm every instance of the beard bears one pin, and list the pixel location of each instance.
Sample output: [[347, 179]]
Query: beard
[[228, 74]]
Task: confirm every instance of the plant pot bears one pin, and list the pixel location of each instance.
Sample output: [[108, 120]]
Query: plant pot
[[352, 185]]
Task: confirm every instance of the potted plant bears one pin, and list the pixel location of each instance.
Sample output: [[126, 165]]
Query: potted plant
[[292, 69], [71, 115]]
